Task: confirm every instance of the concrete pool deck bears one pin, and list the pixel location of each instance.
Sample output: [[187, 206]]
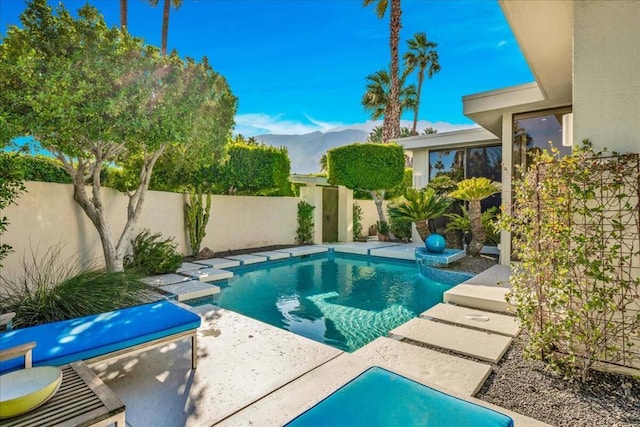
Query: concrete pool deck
[[251, 373]]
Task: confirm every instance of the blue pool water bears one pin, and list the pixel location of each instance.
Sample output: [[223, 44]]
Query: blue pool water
[[343, 301], [381, 398]]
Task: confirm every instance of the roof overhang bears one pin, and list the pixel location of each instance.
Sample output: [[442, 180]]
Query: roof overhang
[[544, 31], [474, 136], [309, 180]]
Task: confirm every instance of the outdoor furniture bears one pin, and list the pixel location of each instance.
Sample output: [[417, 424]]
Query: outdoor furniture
[[82, 400], [101, 336]]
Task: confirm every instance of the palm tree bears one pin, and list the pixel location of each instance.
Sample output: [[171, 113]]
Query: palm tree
[[423, 56], [420, 206], [474, 190], [123, 14], [377, 97], [165, 18], [393, 110]]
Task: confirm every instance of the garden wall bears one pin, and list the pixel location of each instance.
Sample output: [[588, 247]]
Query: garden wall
[[47, 215], [370, 213]]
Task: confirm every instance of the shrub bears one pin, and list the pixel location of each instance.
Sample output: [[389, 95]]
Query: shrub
[[151, 255], [383, 228], [357, 221], [304, 233], [39, 168], [53, 289], [257, 169], [400, 228]]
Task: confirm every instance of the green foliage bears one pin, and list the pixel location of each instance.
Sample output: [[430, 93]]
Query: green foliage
[[402, 187], [400, 228], [575, 227], [419, 206], [383, 228], [357, 221], [97, 97], [40, 168], [366, 166], [257, 169], [461, 222], [304, 232], [377, 94], [196, 213], [52, 289], [151, 255], [442, 184], [11, 186]]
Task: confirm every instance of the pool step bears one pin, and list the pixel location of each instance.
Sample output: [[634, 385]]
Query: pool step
[[491, 322], [452, 373], [478, 344], [190, 290]]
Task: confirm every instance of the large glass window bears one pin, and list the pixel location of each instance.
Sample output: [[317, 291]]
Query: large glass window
[[446, 162], [536, 131]]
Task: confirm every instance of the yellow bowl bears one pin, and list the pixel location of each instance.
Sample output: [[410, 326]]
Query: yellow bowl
[[24, 390]]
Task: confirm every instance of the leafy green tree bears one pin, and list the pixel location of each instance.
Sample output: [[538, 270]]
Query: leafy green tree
[[166, 8], [252, 169], [375, 168], [422, 55], [474, 190], [393, 109], [378, 96], [11, 186], [97, 97]]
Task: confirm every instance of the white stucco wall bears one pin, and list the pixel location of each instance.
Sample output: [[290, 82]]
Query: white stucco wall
[[47, 215], [606, 74]]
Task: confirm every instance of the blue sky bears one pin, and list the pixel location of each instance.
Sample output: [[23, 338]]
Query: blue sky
[[300, 65]]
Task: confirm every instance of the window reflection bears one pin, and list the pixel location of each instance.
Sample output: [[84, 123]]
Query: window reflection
[[448, 163]]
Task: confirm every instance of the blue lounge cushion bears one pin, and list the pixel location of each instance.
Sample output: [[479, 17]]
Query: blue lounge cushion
[[87, 337], [380, 397]]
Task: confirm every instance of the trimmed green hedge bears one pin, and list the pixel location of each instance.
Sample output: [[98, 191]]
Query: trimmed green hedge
[[255, 168], [39, 168], [366, 166]]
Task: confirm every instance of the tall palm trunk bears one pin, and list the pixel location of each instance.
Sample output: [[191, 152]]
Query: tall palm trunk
[[477, 230], [165, 25], [391, 123], [123, 14], [415, 111], [422, 227]]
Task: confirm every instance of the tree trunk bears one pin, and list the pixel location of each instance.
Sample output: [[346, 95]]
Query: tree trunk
[[478, 235], [415, 112], [422, 227], [123, 14], [391, 123], [378, 198], [165, 25]]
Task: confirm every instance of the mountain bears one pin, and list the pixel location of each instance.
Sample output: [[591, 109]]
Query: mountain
[[306, 150]]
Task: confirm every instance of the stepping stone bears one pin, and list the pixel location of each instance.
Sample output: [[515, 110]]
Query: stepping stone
[[491, 298], [352, 249], [191, 290], [492, 322], [218, 262], [209, 274], [272, 255], [427, 366], [304, 250], [188, 266], [165, 279], [247, 259], [478, 344]]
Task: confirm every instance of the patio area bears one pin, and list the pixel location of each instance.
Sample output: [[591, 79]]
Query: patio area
[[251, 373]]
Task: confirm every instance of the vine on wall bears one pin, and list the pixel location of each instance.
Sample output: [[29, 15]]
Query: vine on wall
[[304, 233], [576, 229]]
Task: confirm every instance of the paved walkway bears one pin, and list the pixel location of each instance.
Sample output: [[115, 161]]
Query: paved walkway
[[250, 373]]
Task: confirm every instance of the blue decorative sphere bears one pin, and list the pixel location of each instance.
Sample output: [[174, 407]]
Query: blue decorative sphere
[[435, 243]]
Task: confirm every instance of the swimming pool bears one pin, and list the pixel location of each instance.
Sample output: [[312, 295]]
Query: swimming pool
[[345, 301]]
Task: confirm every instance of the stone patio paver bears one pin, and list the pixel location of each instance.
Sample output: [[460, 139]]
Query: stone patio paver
[[165, 279], [218, 262], [188, 266], [492, 322], [406, 252], [304, 250], [209, 274], [247, 259], [272, 255], [190, 290]]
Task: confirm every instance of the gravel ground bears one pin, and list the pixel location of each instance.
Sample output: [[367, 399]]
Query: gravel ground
[[530, 388]]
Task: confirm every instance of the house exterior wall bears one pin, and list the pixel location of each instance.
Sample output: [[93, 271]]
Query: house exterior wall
[[47, 215], [606, 74]]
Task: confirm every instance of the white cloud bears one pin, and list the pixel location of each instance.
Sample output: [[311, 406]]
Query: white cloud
[[258, 123]]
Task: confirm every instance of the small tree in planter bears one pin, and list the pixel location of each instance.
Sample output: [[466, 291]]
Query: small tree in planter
[[420, 206], [474, 190]]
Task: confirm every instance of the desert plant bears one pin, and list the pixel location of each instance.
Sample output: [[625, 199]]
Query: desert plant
[[383, 229], [151, 255], [461, 222], [196, 214], [420, 206], [357, 221], [474, 190], [51, 289], [304, 232]]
